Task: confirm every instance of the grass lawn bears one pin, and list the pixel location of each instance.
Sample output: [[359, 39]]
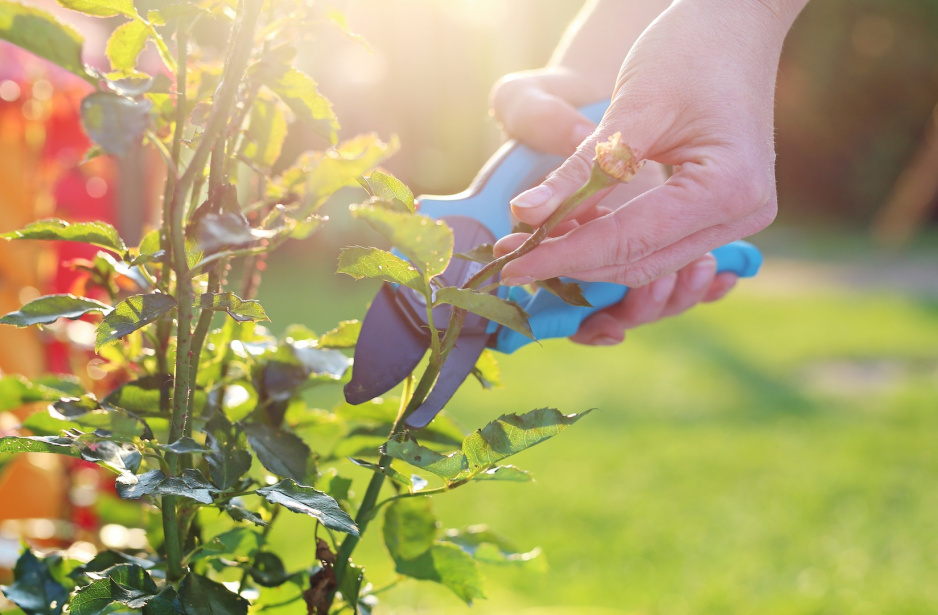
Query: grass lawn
[[774, 453]]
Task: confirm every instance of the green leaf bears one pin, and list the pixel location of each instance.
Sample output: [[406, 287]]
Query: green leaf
[[35, 590], [240, 310], [360, 262], [125, 44], [101, 8], [487, 546], [142, 396], [410, 528], [228, 460], [57, 445], [390, 472], [226, 229], [512, 433], [345, 335], [240, 542], [201, 596], [87, 413], [427, 243], [46, 310], [308, 501], [268, 570], [406, 448], [281, 452], [91, 599], [15, 390], [570, 292], [131, 314], [191, 484], [299, 92], [507, 473], [486, 370], [54, 229], [482, 253], [185, 446], [115, 123], [265, 135], [166, 602], [42, 34], [318, 175], [490, 306], [447, 564], [240, 513], [131, 585], [389, 188]]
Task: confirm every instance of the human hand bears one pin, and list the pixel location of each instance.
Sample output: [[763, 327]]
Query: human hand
[[539, 109], [694, 92]]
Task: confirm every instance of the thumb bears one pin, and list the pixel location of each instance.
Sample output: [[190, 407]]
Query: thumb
[[535, 205]]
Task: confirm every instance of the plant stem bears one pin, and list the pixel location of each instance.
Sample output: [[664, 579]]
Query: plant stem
[[172, 543], [174, 214]]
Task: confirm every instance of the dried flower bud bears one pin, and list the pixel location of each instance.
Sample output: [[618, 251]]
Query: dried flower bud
[[617, 159]]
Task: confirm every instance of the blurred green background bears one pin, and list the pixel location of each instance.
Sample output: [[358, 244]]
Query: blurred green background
[[772, 453]]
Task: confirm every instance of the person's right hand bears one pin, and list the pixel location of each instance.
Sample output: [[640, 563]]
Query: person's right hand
[[696, 92], [539, 108]]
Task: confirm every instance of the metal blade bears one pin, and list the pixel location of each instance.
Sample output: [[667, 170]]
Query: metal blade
[[457, 368], [388, 349]]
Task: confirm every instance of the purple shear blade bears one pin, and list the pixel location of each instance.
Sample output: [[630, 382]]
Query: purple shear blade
[[455, 370], [388, 349]]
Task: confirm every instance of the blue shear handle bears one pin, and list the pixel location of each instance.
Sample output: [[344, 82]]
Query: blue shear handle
[[551, 317], [513, 168]]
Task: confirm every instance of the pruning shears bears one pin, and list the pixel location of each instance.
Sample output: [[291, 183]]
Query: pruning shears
[[394, 335]]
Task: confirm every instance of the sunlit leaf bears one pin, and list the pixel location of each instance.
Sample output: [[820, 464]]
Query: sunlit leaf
[[234, 306], [360, 262], [490, 306], [513, 433], [299, 92], [410, 527], [308, 501], [487, 546], [486, 370], [101, 8], [57, 445], [265, 135], [319, 175], [345, 335], [389, 188], [427, 243], [125, 44], [42, 34], [131, 314], [115, 123], [91, 599], [447, 564], [508, 473], [407, 449], [46, 310], [281, 452], [95, 233], [16, 390]]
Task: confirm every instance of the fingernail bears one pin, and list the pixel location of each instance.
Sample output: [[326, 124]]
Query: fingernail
[[580, 134], [702, 273], [604, 340], [661, 289], [535, 197], [518, 281]]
